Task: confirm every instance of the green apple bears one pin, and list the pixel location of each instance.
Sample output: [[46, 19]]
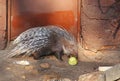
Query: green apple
[[72, 61]]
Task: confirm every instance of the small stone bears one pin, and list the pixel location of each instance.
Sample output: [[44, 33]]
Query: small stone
[[23, 77], [22, 62], [35, 71], [8, 68], [95, 76], [65, 79], [45, 65], [51, 77], [29, 67], [104, 68]]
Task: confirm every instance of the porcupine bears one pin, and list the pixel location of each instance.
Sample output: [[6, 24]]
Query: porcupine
[[44, 41]]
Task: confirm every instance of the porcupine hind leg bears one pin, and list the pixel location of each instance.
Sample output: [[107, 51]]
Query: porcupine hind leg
[[40, 54], [46, 52]]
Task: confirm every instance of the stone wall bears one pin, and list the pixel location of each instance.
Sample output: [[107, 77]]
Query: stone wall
[[2, 24], [100, 21]]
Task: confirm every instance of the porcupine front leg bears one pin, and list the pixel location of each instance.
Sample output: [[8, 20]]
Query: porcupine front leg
[[58, 51], [58, 55]]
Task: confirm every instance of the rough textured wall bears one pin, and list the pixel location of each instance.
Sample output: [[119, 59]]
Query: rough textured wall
[[2, 23], [100, 21]]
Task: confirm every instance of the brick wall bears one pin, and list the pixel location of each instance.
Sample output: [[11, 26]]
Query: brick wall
[[2, 23]]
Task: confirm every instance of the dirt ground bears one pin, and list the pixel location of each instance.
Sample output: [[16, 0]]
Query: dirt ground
[[9, 71], [55, 70]]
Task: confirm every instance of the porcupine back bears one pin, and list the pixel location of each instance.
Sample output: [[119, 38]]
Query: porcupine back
[[39, 38]]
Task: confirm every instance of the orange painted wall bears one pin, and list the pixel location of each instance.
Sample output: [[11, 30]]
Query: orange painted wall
[[26, 14], [25, 21]]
